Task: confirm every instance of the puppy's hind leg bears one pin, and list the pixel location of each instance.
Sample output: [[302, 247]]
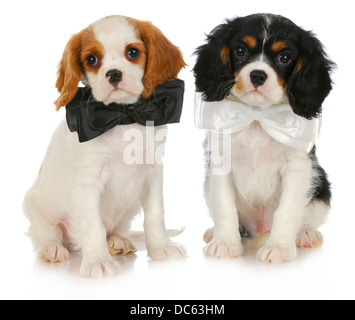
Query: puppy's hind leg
[[117, 240], [318, 209], [47, 237], [118, 245], [208, 235], [309, 236]]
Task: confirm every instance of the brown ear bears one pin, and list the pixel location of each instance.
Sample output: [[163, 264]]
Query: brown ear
[[165, 60], [69, 73]]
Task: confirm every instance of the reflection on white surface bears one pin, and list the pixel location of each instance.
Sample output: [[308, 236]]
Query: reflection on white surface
[[195, 277]]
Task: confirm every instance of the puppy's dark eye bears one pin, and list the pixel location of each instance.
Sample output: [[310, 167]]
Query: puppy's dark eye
[[241, 52], [284, 59], [93, 61], [133, 54]]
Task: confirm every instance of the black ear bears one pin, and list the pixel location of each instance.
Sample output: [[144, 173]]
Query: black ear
[[310, 82], [213, 71]]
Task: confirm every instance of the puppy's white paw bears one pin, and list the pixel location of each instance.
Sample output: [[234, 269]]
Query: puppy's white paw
[[169, 250], [208, 236], [219, 249], [53, 254], [120, 246], [104, 268], [309, 239], [277, 254]]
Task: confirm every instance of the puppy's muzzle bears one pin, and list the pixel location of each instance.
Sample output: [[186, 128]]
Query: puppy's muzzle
[[114, 77], [258, 78]]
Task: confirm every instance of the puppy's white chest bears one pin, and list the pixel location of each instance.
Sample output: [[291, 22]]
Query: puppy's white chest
[[256, 163], [132, 150], [136, 144], [253, 148]]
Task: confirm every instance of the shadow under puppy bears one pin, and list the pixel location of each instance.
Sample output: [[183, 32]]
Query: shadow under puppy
[[87, 193], [261, 81]]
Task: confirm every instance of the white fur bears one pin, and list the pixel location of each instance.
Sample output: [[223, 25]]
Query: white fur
[[267, 189], [85, 195]]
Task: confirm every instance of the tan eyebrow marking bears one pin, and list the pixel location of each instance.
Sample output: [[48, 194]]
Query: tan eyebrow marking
[[278, 46], [250, 42]]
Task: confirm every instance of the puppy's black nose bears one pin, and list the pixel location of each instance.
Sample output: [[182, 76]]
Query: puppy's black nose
[[114, 77], [258, 78]]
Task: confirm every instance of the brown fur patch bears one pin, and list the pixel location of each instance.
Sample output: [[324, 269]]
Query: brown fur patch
[[278, 46], [78, 49], [141, 60], [225, 55], [251, 42], [282, 83], [164, 60], [90, 46], [239, 85], [298, 65]]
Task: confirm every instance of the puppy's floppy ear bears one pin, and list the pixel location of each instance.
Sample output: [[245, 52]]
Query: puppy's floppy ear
[[164, 60], [69, 73], [213, 73], [310, 82]]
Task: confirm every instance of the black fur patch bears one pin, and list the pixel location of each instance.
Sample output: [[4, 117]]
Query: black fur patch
[[321, 185]]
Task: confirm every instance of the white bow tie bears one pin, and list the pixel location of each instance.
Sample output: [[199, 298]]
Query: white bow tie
[[280, 122]]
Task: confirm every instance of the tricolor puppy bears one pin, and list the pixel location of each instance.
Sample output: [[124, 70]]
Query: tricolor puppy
[[261, 82], [87, 193]]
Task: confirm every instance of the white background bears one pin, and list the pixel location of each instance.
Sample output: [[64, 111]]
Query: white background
[[33, 36]]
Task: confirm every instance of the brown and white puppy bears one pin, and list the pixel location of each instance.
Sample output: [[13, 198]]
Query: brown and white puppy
[[86, 194]]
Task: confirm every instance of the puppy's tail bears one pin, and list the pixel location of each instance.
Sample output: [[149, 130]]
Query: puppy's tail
[[253, 245], [257, 242], [140, 236]]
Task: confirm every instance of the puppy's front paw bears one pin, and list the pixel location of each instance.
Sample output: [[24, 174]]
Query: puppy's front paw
[[220, 249], [277, 254], [169, 250], [99, 269]]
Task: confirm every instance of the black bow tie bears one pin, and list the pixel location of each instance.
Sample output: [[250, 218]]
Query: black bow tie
[[90, 118]]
